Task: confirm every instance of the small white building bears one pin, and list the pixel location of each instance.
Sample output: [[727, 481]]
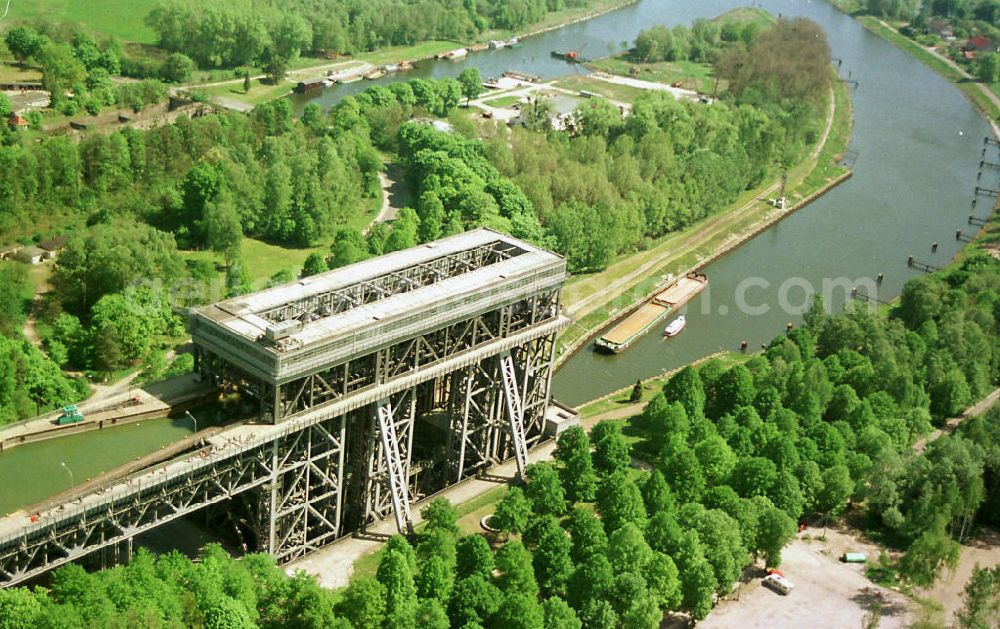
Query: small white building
[[31, 255]]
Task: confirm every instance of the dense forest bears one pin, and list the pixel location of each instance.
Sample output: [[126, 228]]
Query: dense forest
[[825, 419], [132, 200], [226, 34]]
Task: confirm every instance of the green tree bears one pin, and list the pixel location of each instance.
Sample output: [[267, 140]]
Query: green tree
[[223, 229], [404, 231], [513, 561], [544, 491], [716, 458], [576, 471], [178, 68], [512, 512], [551, 560], [396, 576], [663, 580], [474, 557], [933, 551], [611, 453], [348, 247], [723, 548], [474, 599], [440, 514], [471, 82], [754, 476], [987, 67], [837, 489], [587, 534], [313, 118], [681, 469], [619, 501], [434, 579], [628, 550], [656, 493], [559, 615], [291, 35], [24, 42], [314, 264], [431, 615], [432, 216], [363, 603], [774, 530], [6, 108], [61, 70], [687, 388], [980, 598], [519, 611], [696, 576], [590, 581], [19, 608], [734, 389]]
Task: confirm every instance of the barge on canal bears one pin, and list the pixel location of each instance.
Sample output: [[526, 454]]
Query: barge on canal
[[621, 336]]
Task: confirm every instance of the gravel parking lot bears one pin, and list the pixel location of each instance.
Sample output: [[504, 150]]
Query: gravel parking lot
[[827, 593]]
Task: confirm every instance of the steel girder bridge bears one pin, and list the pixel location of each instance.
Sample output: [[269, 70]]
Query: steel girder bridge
[[377, 384]]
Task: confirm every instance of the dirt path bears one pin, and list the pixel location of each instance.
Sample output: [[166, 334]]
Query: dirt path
[[983, 551], [831, 114], [395, 194], [949, 427]]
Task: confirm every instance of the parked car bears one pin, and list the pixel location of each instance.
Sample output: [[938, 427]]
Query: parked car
[[778, 583]]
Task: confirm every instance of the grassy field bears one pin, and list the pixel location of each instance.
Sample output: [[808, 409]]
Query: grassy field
[[745, 15], [260, 91], [265, 259], [503, 101], [123, 19], [691, 75], [625, 93], [554, 20], [18, 73]]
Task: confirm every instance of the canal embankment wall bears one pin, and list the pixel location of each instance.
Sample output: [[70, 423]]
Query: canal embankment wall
[[151, 404], [701, 265]]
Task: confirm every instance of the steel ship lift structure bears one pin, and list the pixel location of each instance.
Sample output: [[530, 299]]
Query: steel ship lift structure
[[376, 384]]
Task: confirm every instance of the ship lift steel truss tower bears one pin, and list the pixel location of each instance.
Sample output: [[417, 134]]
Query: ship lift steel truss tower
[[376, 385]]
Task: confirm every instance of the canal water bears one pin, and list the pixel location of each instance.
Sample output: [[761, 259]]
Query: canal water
[[918, 143], [35, 471]]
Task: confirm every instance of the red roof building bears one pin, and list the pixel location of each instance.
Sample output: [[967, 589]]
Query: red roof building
[[980, 43], [17, 121]]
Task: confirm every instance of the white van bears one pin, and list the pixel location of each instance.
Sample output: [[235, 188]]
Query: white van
[[778, 583]]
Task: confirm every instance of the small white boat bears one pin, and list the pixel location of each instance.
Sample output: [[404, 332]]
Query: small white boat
[[674, 327]]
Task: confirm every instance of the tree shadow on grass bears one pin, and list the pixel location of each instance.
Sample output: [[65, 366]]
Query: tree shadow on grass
[[645, 445], [872, 599]]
